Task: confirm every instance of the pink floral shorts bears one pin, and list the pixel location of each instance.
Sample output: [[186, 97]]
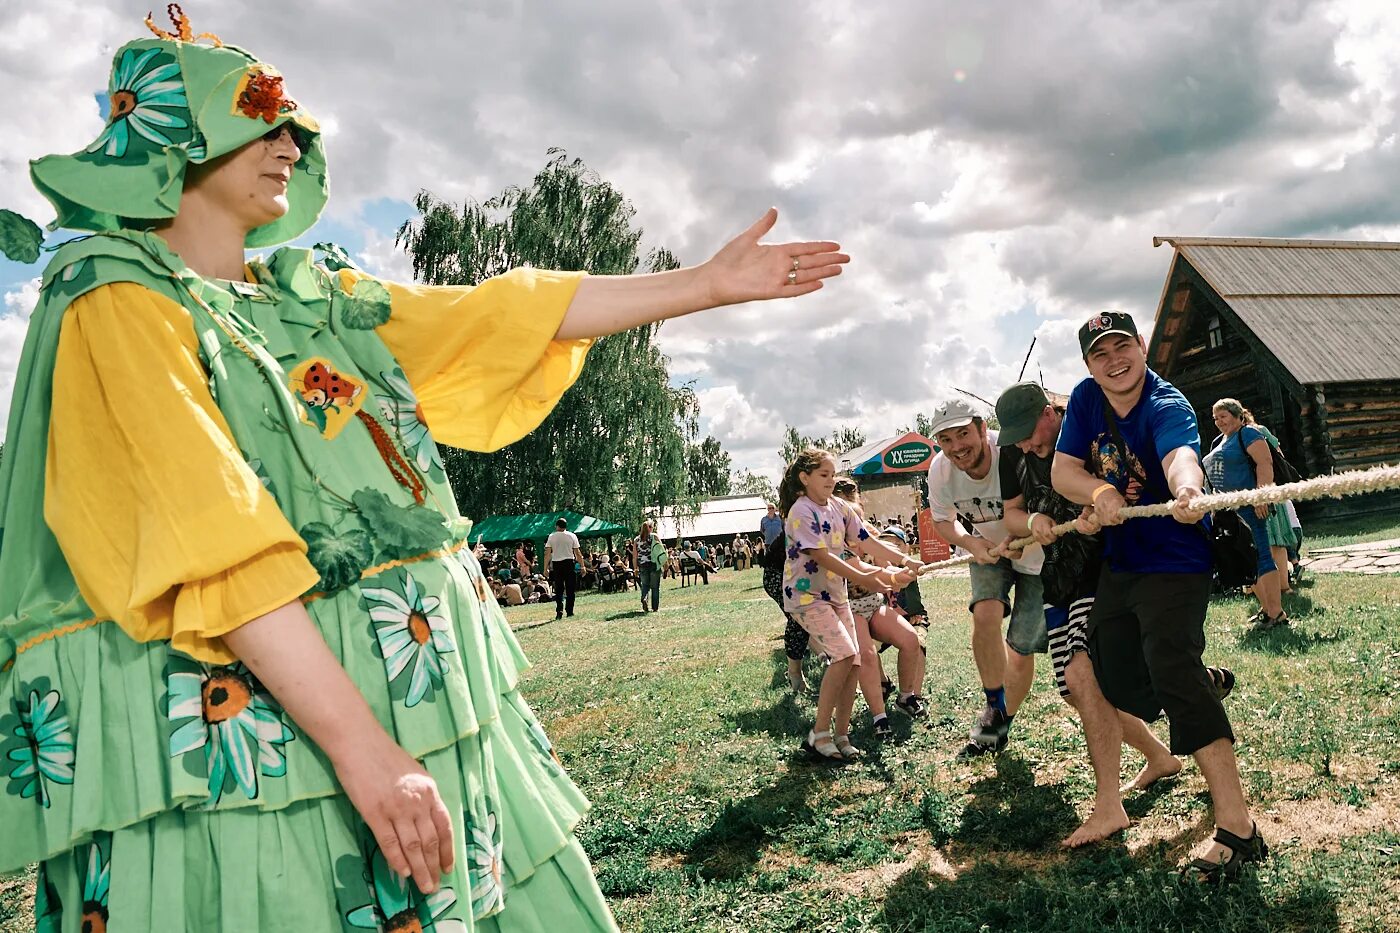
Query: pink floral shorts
[[833, 629]]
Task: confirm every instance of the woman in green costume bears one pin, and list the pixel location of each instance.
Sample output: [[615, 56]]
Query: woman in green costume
[[251, 676]]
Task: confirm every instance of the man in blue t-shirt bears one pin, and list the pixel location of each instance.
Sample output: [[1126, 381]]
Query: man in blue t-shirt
[[771, 525], [1130, 438]]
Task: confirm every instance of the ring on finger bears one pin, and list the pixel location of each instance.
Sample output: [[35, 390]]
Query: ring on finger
[[796, 264], [792, 277]]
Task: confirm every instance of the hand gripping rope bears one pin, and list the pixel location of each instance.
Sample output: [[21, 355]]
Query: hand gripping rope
[[1335, 485]]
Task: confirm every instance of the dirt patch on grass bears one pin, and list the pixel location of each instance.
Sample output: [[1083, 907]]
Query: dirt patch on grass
[[568, 726], [943, 863], [1323, 824], [780, 861], [666, 861], [877, 879]]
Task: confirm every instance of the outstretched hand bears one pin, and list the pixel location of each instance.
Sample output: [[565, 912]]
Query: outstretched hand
[[747, 270]]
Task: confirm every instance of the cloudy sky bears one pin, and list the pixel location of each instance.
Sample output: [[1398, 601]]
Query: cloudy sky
[[997, 169]]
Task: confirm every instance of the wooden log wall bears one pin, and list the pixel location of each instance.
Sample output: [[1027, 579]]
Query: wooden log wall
[[1362, 423], [1206, 374], [1323, 429]]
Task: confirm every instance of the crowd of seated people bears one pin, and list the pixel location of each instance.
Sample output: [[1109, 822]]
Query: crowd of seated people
[[512, 568]]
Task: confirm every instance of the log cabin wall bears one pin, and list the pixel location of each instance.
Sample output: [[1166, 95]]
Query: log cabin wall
[[1363, 423], [1214, 359], [1204, 347]]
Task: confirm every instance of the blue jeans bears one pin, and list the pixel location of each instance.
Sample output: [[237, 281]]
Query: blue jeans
[[649, 580], [1260, 528]]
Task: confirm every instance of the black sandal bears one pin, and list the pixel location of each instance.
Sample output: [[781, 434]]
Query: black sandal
[[1223, 679], [1242, 851]]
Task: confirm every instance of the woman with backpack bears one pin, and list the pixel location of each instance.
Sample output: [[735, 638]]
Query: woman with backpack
[[1241, 459]]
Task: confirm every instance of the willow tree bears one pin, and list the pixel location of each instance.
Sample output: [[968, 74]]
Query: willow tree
[[616, 443], [840, 441]]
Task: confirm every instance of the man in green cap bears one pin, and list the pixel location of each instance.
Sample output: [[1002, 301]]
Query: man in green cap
[[1030, 426]]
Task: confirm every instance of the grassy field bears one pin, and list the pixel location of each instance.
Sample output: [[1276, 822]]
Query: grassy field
[[682, 731], [1356, 529]]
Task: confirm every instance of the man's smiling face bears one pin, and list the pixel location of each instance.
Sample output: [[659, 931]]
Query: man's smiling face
[[1118, 363], [965, 446]]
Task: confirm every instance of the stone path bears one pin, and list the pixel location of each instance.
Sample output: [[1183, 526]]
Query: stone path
[[1371, 557]]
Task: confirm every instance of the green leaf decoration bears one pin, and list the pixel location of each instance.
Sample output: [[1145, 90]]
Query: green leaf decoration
[[365, 308], [399, 531], [458, 529], [336, 258], [20, 237], [338, 556]]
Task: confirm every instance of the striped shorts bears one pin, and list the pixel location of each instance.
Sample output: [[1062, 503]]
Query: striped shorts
[[1068, 630]]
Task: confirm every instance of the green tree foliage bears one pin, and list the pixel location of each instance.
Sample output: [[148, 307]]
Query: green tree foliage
[[707, 469], [844, 439], [748, 483], [841, 440], [617, 441]]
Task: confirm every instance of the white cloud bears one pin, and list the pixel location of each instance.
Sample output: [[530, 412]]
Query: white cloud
[[14, 321], [382, 258], [20, 302], [994, 177]]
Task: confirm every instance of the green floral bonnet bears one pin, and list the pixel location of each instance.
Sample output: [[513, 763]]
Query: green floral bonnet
[[174, 101]]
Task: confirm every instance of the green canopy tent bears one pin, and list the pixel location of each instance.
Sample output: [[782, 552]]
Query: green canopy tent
[[501, 529]]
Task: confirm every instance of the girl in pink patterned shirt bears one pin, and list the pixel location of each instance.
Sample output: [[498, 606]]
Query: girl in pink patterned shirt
[[819, 527]]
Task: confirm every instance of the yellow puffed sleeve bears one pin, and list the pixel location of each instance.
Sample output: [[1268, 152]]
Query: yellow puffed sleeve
[[166, 529], [482, 359]]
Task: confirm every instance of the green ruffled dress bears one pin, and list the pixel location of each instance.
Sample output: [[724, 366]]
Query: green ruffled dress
[[163, 793]]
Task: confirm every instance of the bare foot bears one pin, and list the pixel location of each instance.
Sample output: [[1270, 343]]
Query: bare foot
[[1098, 827], [1151, 773]]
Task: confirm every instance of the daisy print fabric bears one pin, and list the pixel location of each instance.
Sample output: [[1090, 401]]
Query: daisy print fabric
[[832, 527], [414, 631], [148, 109]]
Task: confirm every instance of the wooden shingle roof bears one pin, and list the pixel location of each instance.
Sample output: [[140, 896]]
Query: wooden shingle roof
[[1328, 310]]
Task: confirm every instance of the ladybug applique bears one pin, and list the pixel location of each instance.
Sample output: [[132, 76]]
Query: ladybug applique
[[329, 399], [323, 387]]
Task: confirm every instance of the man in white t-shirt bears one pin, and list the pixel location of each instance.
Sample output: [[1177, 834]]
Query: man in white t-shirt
[[965, 492], [560, 552]]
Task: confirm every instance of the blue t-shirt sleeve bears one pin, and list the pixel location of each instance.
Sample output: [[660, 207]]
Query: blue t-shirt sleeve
[[1249, 434], [1079, 427], [1173, 426]]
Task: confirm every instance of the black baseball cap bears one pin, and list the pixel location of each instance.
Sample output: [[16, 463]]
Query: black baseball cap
[[1103, 324]]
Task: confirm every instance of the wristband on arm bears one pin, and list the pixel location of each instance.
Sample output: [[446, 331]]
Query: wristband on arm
[[1094, 496]]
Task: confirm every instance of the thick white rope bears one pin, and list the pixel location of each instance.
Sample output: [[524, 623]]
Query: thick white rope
[[1333, 486]]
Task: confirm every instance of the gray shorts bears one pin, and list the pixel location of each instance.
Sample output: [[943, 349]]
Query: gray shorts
[[1026, 631]]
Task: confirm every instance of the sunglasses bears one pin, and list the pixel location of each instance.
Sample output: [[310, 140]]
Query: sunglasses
[[301, 138]]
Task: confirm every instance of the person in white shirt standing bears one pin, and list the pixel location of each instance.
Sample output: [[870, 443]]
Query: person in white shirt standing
[[965, 486], [560, 552]]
